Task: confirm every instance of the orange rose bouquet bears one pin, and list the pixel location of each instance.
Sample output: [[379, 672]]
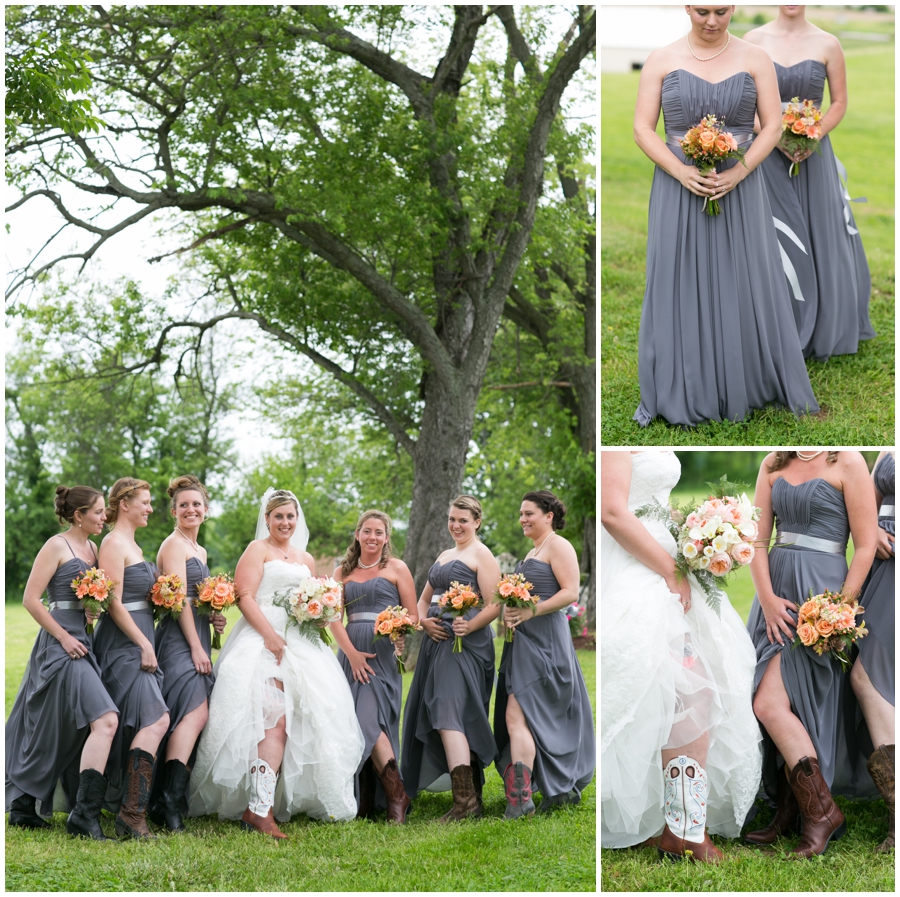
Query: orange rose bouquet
[[94, 589], [706, 144], [215, 595], [167, 597], [827, 624], [514, 591], [457, 601], [392, 623], [800, 129]]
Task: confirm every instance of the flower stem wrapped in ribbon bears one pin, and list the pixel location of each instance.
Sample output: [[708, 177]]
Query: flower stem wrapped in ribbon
[[215, 595], [800, 129], [394, 622], [457, 601], [167, 596], [706, 144], [94, 589], [827, 624], [311, 606], [514, 590]]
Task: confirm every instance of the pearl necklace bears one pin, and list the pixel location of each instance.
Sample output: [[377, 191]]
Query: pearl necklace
[[537, 548], [803, 457], [187, 539], [363, 566], [707, 58]]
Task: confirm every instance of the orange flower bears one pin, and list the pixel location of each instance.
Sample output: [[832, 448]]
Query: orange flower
[[798, 127], [809, 610], [506, 589], [722, 143], [384, 627], [807, 634], [458, 600], [222, 590], [824, 627], [707, 140]]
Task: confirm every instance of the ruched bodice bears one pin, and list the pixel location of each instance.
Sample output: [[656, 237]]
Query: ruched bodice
[[277, 576], [441, 575], [804, 80], [196, 571], [60, 586], [814, 508], [653, 476], [540, 574], [370, 597], [884, 483], [137, 580]]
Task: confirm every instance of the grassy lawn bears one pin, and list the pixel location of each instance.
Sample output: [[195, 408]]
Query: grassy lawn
[[857, 390], [554, 853]]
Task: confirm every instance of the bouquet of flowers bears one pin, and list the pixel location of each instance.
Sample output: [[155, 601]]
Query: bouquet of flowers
[[215, 595], [826, 623], [707, 144], [312, 605], [575, 614], [457, 601], [94, 590], [167, 597], [514, 591], [392, 623], [800, 129]]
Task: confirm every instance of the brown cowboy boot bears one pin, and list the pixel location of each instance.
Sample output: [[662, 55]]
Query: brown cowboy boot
[[881, 768], [465, 804], [787, 814], [685, 835], [477, 781], [131, 821], [397, 798], [823, 820]]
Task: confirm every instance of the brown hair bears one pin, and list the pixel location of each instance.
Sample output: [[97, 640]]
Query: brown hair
[[549, 504], [185, 484], [281, 497], [468, 503], [354, 549], [71, 499], [123, 489], [781, 459]]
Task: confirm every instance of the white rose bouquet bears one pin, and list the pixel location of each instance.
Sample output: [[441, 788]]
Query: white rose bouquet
[[312, 605]]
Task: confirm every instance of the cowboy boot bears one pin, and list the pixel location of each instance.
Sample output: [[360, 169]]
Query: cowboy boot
[[881, 768], [132, 818], [397, 799], [23, 814], [84, 820], [259, 816], [366, 791], [787, 814], [686, 792], [517, 778], [465, 804], [477, 781], [168, 808], [823, 820]]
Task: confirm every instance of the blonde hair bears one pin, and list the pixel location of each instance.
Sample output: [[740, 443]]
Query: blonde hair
[[281, 497], [468, 503], [354, 549], [123, 489]]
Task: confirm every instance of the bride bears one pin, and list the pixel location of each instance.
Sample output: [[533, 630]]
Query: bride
[[281, 702], [679, 745]]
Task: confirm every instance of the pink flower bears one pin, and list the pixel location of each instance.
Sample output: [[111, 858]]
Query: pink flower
[[743, 553], [693, 519], [719, 564], [314, 608]]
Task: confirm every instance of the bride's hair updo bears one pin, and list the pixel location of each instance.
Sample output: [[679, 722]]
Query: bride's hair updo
[[471, 504], [185, 484], [354, 549], [781, 459], [549, 504], [123, 489], [77, 498], [282, 497]]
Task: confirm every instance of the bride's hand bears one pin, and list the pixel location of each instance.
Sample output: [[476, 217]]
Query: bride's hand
[[434, 629], [360, 666], [275, 644], [778, 621], [201, 661], [682, 588]]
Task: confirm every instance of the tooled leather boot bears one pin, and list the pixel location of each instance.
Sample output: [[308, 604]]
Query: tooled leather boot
[[519, 802], [397, 798], [881, 768], [131, 822], [465, 804], [823, 820], [686, 792], [787, 814]]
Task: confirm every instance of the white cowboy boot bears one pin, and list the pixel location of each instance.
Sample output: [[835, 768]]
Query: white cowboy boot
[[258, 815], [686, 792]]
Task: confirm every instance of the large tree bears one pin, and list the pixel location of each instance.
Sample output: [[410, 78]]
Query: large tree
[[370, 215]]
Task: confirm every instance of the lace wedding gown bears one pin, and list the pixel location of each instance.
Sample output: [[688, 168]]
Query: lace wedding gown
[[666, 678], [324, 744]]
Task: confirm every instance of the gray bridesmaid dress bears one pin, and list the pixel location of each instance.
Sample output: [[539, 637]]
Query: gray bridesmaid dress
[[58, 700], [876, 650], [136, 692], [811, 518], [821, 249], [541, 669], [378, 701], [448, 691], [717, 334]]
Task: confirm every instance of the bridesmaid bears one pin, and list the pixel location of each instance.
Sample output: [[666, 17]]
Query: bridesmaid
[[872, 676], [63, 720], [123, 645], [542, 716], [446, 726], [183, 652], [374, 580], [817, 499], [822, 252]]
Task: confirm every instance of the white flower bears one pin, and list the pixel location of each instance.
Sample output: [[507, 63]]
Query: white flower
[[711, 527], [703, 563], [720, 543], [696, 533], [689, 550], [709, 551]]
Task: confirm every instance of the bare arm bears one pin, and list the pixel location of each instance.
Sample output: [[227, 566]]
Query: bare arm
[[862, 513], [172, 559], [488, 574], [247, 577], [884, 550], [836, 72], [358, 659]]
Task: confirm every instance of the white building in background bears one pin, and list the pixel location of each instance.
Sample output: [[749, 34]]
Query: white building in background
[[628, 34]]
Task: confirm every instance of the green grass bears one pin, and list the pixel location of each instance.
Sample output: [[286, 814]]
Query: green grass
[[554, 853], [855, 390]]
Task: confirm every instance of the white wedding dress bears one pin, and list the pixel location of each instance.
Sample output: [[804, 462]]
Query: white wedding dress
[[324, 743], [666, 677]]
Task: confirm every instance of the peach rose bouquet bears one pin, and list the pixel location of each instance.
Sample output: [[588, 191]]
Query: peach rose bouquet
[[514, 590], [457, 601], [167, 596], [706, 144], [394, 622], [827, 624], [215, 595], [311, 606], [800, 129], [94, 589]]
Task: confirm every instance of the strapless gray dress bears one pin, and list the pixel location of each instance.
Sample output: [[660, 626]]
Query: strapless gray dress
[[57, 701], [822, 252], [717, 337], [541, 669], [818, 689]]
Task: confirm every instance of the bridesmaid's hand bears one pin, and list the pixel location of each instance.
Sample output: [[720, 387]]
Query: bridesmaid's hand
[[91, 616], [434, 629], [884, 550], [512, 616], [728, 180], [72, 646], [218, 622], [399, 644], [148, 658], [699, 184], [778, 621], [276, 645], [799, 156], [359, 664], [202, 663]]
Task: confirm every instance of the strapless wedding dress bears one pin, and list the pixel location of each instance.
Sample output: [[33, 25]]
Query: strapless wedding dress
[[324, 743]]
